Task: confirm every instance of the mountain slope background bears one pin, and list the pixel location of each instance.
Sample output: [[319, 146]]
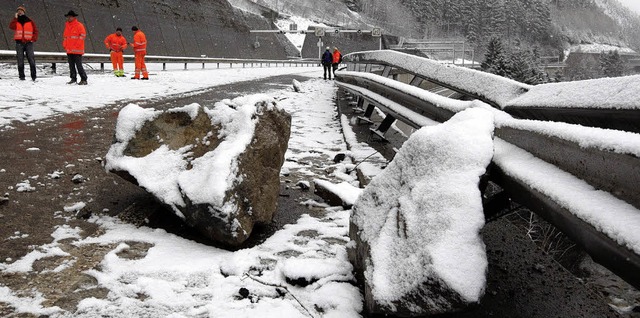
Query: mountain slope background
[[553, 26]]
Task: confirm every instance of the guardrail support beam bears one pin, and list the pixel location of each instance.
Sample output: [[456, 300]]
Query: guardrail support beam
[[386, 71], [416, 81], [386, 123]]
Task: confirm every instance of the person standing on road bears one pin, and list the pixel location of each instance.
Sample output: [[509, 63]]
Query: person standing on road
[[327, 60], [25, 34], [139, 50], [73, 42], [337, 59], [116, 43]]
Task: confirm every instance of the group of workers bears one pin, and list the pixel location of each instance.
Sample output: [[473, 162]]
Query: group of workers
[[26, 33]]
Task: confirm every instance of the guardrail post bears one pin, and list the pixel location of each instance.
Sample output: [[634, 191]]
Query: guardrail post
[[386, 71], [203, 65], [386, 123], [53, 68], [164, 66], [243, 65], [218, 65], [230, 65], [185, 66], [416, 81]]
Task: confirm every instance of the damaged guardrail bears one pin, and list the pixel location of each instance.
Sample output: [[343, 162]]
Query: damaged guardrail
[[583, 180]]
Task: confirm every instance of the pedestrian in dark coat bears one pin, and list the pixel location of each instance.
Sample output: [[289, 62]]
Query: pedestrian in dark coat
[[327, 60], [25, 34]]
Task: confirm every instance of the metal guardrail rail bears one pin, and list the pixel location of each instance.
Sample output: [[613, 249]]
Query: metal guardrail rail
[[606, 170], [491, 89], [57, 57]]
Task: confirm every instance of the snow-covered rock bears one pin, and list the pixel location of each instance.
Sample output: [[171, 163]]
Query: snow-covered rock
[[416, 225], [218, 169], [342, 194]]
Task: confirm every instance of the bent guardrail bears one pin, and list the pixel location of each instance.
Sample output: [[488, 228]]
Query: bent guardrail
[[595, 200]]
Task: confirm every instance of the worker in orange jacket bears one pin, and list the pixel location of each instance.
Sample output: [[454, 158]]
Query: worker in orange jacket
[[73, 42], [25, 34], [139, 50], [337, 59], [116, 43]]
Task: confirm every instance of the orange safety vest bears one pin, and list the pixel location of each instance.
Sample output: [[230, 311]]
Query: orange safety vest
[[73, 37], [139, 42], [337, 57], [24, 32], [115, 42]]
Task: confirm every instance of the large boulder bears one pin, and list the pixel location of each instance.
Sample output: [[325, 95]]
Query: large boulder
[[218, 169], [416, 226]]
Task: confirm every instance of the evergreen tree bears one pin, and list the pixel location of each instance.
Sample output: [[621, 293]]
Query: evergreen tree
[[495, 60], [612, 64], [493, 22], [582, 67], [524, 66]]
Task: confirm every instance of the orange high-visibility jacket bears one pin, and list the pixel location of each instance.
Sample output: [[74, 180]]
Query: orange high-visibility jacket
[[337, 57], [115, 42], [73, 37], [139, 42], [27, 32]]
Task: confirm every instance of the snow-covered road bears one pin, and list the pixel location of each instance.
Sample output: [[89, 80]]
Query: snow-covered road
[[177, 277]]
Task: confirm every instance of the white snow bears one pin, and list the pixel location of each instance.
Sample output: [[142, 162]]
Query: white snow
[[494, 87], [345, 190], [609, 93], [75, 207], [25, 186], [105, 89], [610, 215], [599, 48], [617, 141], [422, 215]]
